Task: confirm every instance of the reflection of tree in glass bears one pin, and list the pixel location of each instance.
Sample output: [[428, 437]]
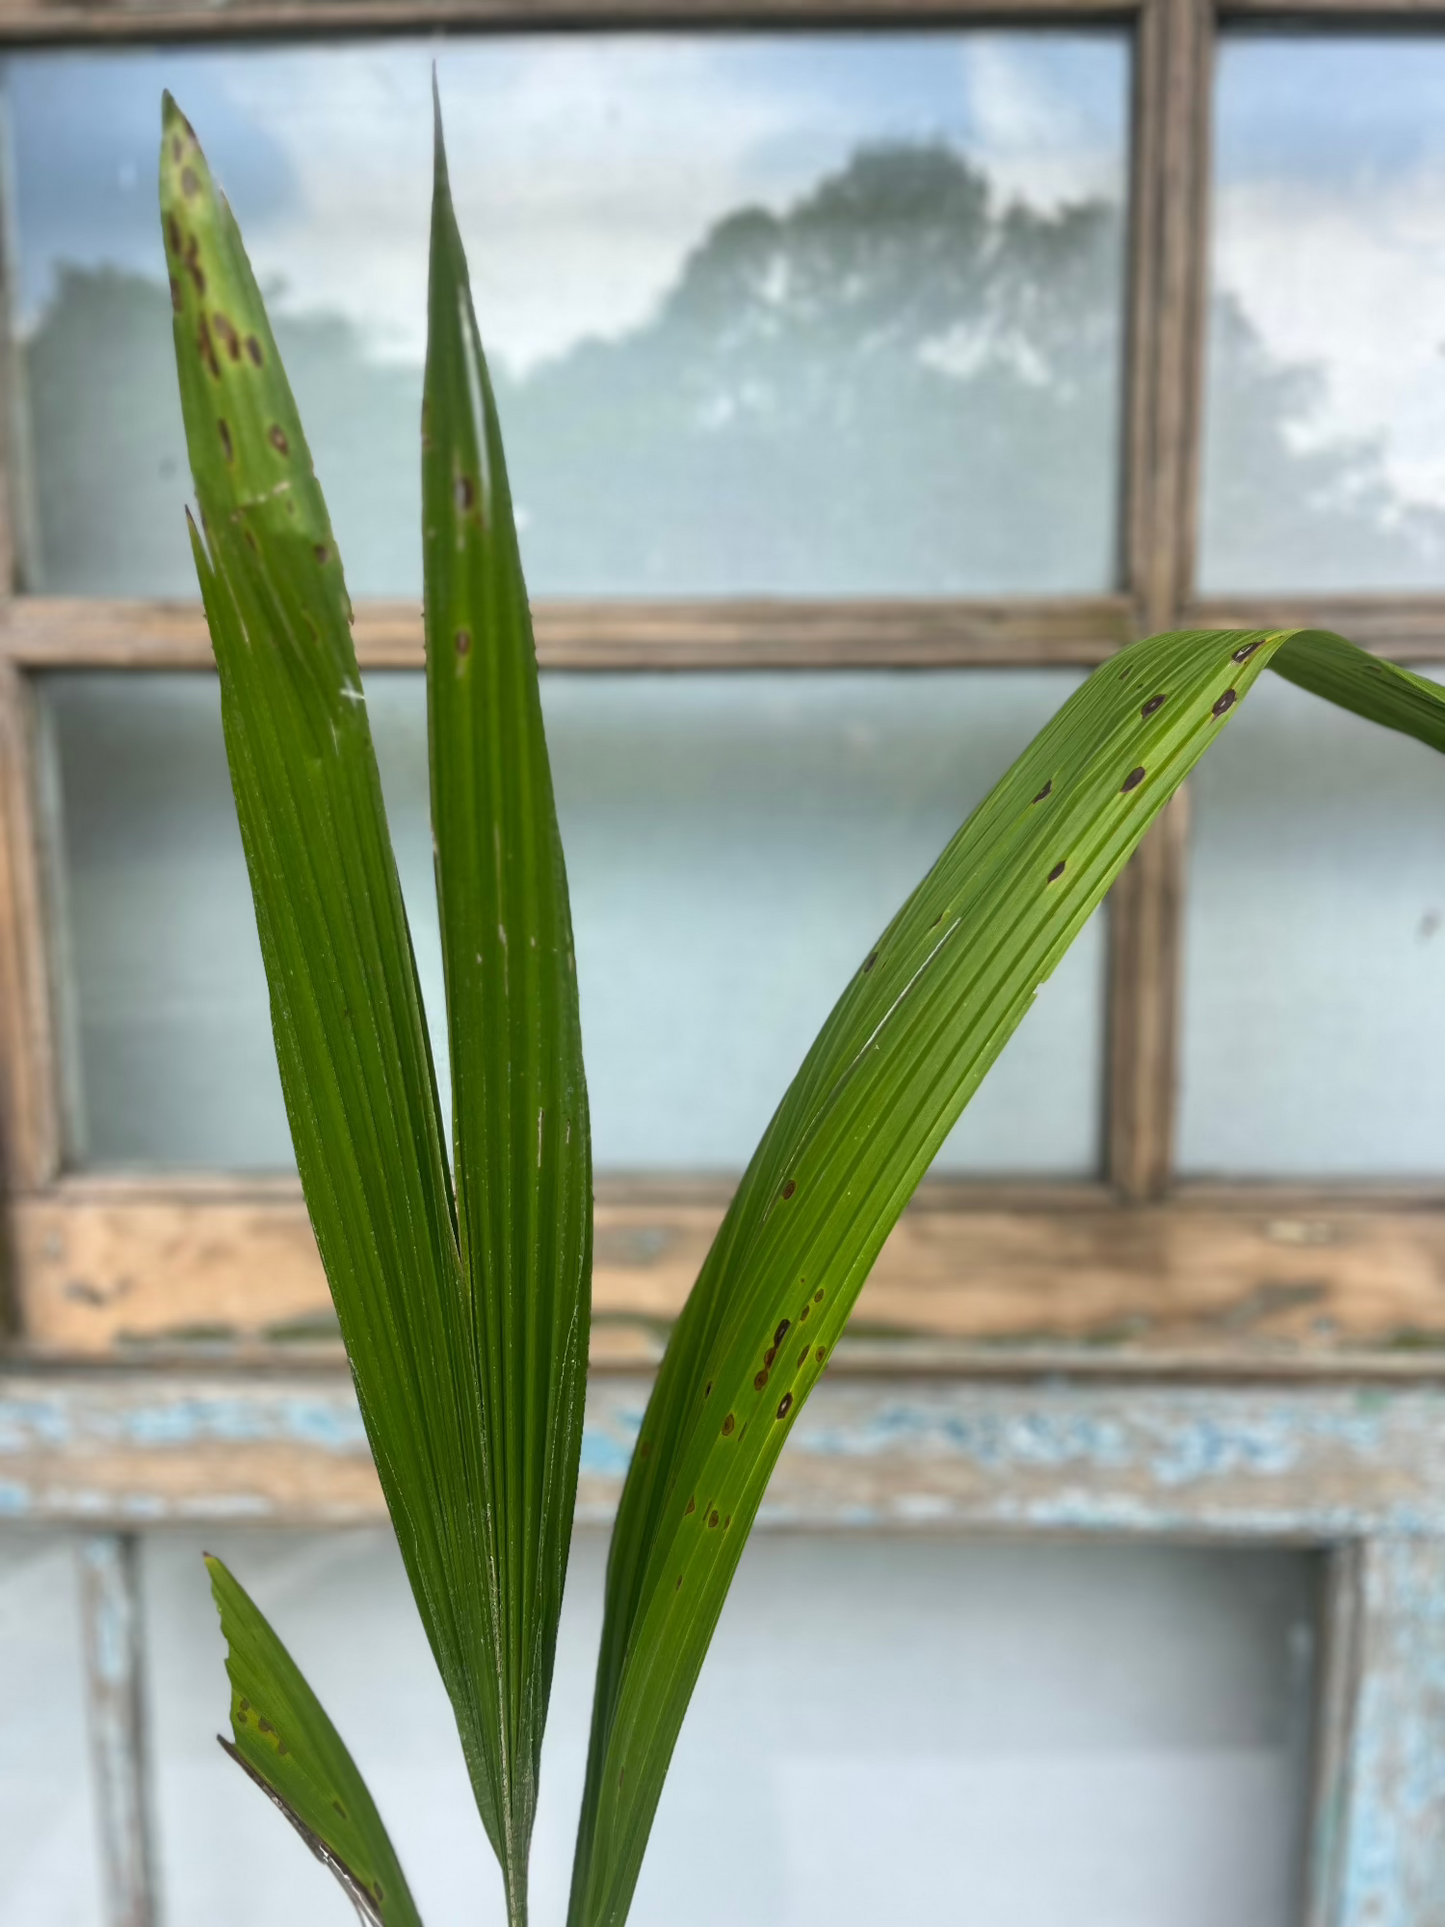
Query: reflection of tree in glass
[[897, 384], [894, 385], [1282, 508], [104, 411]]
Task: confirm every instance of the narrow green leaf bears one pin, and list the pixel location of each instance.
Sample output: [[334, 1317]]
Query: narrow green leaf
[[467, 1342], [1380, 691], [283, 1739], [523, 1138], [907, 1044]]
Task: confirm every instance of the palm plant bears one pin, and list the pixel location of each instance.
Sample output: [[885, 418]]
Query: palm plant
[[462, 1284]]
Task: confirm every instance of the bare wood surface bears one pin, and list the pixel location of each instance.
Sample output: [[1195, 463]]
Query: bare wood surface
[[115, 1693], [1408, 628], [40, 632], [113, 1271], [1167, 295], [23, 21], [28, 1070], [1166, 301], [1321, 1464], [1146, 914]]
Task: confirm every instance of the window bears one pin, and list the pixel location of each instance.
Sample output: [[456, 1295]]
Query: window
[[868, 377]]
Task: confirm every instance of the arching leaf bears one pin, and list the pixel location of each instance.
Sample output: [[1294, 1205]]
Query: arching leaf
[[908, 1042]]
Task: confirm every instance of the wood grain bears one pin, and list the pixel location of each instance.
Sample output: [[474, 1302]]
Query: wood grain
[[1407, 628], [1167, 291], [1304, 1463], [29, 1077], [50, 632], [122, 1270], [1146, 921], [23, 21]]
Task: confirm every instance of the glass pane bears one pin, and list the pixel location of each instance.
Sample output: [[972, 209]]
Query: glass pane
[[828, 313], [1314, 1006], [1016, 1735], [49, 1867], [734, 843], [1325, 434]]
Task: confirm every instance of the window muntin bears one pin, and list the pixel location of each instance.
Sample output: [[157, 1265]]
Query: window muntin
[[1314, 962], [734, 844], [830, 314], [1324, 442]]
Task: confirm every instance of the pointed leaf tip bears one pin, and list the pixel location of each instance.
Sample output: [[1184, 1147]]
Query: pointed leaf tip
[[284, 1741]]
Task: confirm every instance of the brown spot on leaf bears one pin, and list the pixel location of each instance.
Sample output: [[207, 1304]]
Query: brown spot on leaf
[[1152, 707], [173, 233], [760, 1379], [870, 960], [1047, 790], [253, 349], [711, 1520], [190, 186], [1133, 779], [464, 641], [818, 1296], [466, 492], [322, 553], [691, 1505], [821, 1354], [225, 434], [276, 436], [1244, 653], [728, 1424], [1226, 701], [781, 1333], [770, 1354], [789, 1188], [785, 1404], [1057, 872], [803, 1357], [208, 353], [226, 335]]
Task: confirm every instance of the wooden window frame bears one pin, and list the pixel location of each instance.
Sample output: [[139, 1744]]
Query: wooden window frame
[[1131, 1356], [1131, 1267]]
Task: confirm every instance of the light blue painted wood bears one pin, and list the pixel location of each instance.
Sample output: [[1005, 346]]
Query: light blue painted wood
[[1357, 1468], [1390, 1858], [110, 1602]]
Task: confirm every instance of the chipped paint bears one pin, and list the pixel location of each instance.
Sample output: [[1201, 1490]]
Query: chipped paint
[[1328, 1464]]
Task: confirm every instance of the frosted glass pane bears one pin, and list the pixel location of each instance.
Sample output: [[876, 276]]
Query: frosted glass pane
[[823, 312], [1314, 992], [1016, 1735], [1325, 426], [734, 843], [49, 1867]]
